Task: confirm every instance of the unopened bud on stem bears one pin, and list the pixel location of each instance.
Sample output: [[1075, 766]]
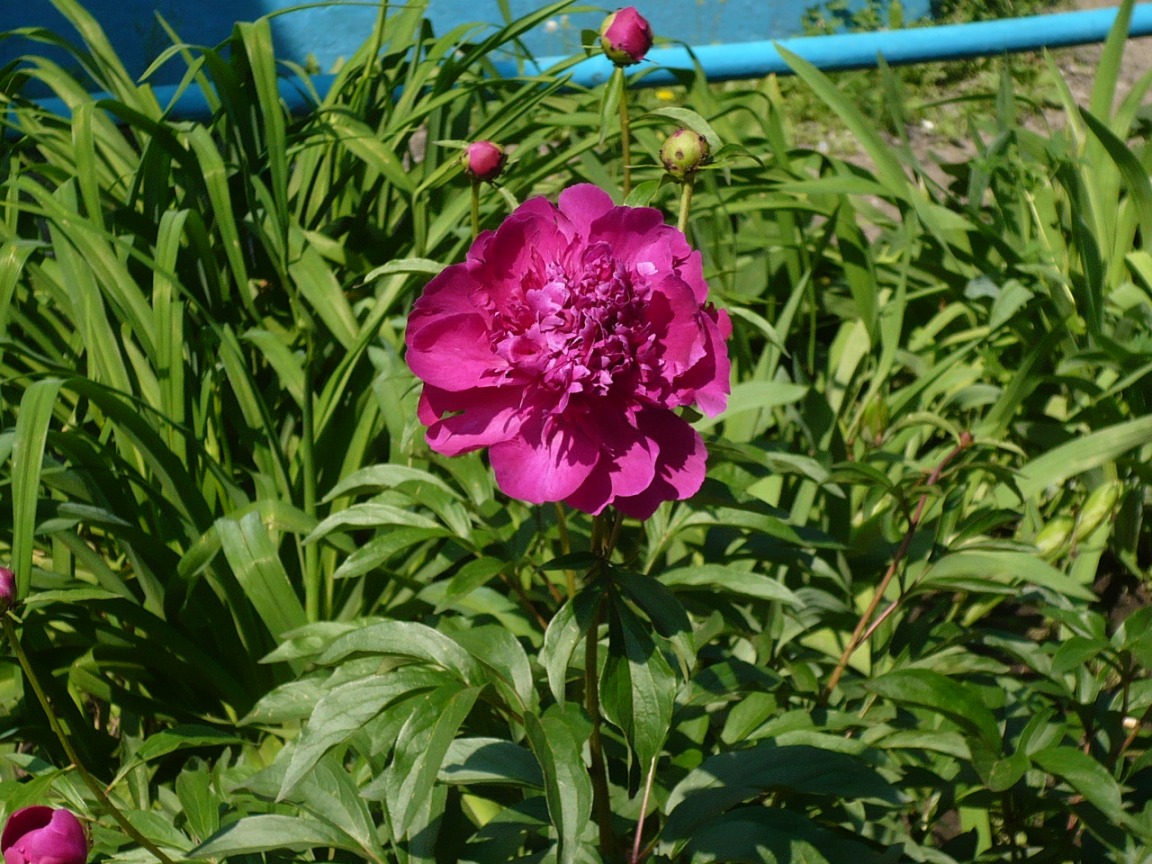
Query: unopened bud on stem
[[626, 36], [483, 160], [684, 152]]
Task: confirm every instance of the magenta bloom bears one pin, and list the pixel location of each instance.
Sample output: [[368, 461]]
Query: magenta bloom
[[626, 36], [563, 343], [483, 160], [7, 589], [42, 835]]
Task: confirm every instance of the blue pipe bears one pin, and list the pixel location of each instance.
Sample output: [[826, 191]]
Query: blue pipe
[[743, 60], [941, 42]]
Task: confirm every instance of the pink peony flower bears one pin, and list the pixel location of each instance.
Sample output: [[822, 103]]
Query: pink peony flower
[[626, 36], [563, 343], [42, 835]]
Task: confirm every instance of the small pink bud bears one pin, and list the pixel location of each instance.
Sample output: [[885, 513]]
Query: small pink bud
[[626, 36], [483, 160], [7, 589], [43, 835]]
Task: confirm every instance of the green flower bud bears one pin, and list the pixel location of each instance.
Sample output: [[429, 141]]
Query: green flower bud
[[1101, 504], [1054, 536], [684, 152]]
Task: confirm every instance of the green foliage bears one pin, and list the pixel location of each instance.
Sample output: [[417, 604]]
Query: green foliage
[[906, 619]]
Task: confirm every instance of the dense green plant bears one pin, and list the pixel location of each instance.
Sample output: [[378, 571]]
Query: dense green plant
[[906, 618]]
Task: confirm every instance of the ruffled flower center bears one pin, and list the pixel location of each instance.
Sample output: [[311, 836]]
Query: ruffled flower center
[[578, 327]]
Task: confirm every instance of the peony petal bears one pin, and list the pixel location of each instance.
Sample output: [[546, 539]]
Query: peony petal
[[562, 343], [707, 382], [487, 416], [42, 835], [453, 352], [582, 205], [594, 494], [547, 461], [679, 469]]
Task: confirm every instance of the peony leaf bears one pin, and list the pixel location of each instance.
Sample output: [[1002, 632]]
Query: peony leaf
[[729, 579], [258, 834], [723, 781], [952, 699], [344, 710], [406, 639], [557, 738], [1087, 776], [472, 761], [419, 757], [637, 685], [564, 633]]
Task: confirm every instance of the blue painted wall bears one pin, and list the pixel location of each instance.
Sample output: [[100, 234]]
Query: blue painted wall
[[333, 30]]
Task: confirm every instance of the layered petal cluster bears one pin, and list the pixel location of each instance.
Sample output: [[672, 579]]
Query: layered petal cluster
[[43, 835], [563, 344]]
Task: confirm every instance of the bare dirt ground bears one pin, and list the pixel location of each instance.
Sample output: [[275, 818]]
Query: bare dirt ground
[[1080, 63], [1078, 66], [941, 135]]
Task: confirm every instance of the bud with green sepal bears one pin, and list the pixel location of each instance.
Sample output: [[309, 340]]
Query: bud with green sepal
[[1100, 506], [684, 153]]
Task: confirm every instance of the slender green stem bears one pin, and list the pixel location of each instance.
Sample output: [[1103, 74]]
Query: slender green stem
[[598, 770], [685, 204], [625, 133], [312, 575], [861, 632], [605, 533], [475, 209], [636, 844], [70, 751], [566, 547]]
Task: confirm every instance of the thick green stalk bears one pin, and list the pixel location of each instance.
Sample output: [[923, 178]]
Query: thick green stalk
[[605, 533], [312, 574], [598, 770], [685, 204], [58, 730], [475, 209], [566, 548]]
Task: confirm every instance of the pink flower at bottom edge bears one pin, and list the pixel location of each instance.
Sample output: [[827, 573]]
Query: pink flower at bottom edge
[[564, 343], [43, 835]]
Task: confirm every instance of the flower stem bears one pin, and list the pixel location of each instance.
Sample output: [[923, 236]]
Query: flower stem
[[475, 209], [685, 204], [862, 630], [605, 533], [598, 770], [636, 844], [566, 548], [312, 575], [625, 133], [70, 751]]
